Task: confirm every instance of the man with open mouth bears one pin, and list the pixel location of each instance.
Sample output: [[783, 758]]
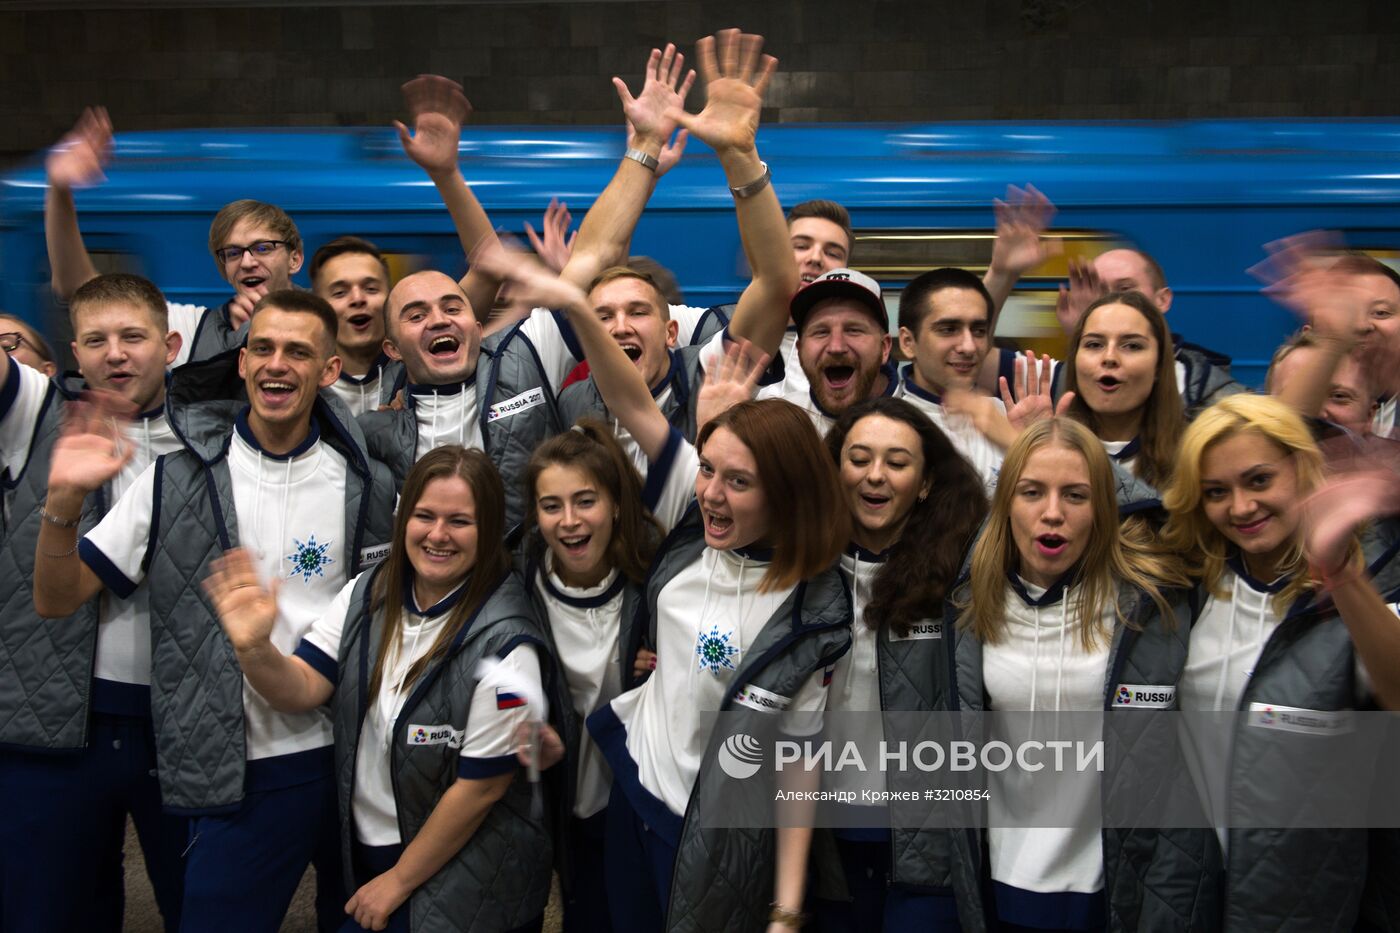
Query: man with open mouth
[[269, 465], [351, 275], [256, 246], [843, 344]]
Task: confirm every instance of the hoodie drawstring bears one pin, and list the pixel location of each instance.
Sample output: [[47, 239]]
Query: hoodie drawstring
[[1229, 645]]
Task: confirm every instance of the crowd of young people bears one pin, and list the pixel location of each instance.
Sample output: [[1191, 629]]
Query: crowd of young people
[[377, 577]]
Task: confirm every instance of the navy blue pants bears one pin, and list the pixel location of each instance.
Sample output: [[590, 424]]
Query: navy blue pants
[[62, 825], [242, 869], [586, 904], [638, 873]]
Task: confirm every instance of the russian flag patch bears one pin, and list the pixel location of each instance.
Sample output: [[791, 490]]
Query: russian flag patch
[[508, 699]]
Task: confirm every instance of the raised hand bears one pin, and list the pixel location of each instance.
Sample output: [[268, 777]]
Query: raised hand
[[240, 306], [557, 243], [247, 609], [1022, 220], [531, 282], [438, 107], [734, 380], [92, 448], [1333, 513], [651, 115], [1300, 274], [670, 153], [1085, 288], [736, 76], [79, 157], [1030, 401]]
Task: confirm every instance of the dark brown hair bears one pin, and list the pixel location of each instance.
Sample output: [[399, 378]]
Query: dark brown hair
[[345, 246], [296, 301], [1163, 416], [259, 212], [826, 210], [492, 559], [924, 563], [591, 447], [811, 526]]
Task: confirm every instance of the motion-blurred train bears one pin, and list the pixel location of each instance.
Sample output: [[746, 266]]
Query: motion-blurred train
[[1202, 197]]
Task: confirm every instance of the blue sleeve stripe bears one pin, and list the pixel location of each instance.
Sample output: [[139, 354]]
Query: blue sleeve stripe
[[318, 660], [10, 390], [477, 768], [106, 571], [660, 469], [1006, 365]]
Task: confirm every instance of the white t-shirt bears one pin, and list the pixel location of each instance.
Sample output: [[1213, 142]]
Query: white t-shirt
[[706, 615], [687, 318], [1039, 664], [359, 393], [451, 414], [184, 320], [794, 380], [291, 518], [487, 740], [586, 623], [984, 456], [124, 635], [855, 679]]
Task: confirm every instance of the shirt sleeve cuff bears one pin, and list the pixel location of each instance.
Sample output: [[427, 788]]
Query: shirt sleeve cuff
[[317, 660], [106, 571], [660, 469], [478, 768]]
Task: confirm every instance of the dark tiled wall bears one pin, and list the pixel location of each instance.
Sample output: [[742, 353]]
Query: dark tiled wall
[[851, 60]]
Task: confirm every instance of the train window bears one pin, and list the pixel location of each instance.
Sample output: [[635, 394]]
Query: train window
[[893, 256]]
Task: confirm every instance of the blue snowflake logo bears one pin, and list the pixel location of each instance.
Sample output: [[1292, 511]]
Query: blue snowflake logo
[[309, 558], [715, 651]]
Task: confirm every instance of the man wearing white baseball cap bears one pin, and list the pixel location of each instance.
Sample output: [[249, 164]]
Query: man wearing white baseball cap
[[843, 344]]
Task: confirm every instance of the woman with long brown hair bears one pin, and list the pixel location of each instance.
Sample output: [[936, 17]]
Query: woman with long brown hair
[[430, 662]]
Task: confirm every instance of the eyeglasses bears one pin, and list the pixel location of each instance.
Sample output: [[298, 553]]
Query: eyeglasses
[[260, 249], [10, 342]]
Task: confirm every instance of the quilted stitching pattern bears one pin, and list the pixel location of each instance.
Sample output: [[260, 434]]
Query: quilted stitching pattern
[[45, 664]]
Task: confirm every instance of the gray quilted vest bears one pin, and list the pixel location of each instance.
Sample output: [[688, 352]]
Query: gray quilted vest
[[1153, 879], [196, 683], [723, 878], [715, 319], [1306, 879], [1208, 378], [45, 664], [215, 335], [684, 378], [500, 879], [508, 371]]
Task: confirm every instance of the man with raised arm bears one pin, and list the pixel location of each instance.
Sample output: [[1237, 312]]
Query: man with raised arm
[[284, 475], [255, 245], [75, 705], [629, 303], [498, 393]]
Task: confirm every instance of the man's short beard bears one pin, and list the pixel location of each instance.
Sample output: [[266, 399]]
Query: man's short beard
[[864, 383]]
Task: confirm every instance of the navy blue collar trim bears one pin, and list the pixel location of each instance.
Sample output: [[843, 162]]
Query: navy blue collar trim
[[447, 388], [1053, 594], [891, 375], [581, 602], [240, 424], [665, 383], [906, 375], [410, 601], [153, 413], [867, 557], [1129, 451], [753, 552], [1236, 563], [376, 370]]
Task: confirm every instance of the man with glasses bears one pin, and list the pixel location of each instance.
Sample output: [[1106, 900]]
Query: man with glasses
[[24, 344], [255, 245]]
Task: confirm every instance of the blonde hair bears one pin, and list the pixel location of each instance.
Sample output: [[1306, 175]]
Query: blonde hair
[[1114, 554], [1194, 537]]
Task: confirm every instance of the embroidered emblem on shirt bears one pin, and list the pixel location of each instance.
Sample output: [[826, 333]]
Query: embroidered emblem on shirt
[[714, 651], [309, 558]]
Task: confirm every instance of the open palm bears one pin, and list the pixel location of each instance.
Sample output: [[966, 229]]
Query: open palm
[[736, 77]]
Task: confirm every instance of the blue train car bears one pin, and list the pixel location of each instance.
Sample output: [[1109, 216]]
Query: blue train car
[[1200, 196]]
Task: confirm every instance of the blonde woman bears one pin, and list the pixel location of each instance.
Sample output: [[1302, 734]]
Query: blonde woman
[[1057, 601], [1272, 631]]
